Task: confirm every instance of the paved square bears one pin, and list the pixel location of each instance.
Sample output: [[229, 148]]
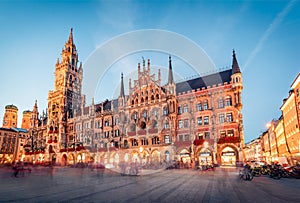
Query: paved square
[[84, 185]]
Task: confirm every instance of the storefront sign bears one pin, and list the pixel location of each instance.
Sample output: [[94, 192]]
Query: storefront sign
[[228, 153], [184, 154], [205, 154]]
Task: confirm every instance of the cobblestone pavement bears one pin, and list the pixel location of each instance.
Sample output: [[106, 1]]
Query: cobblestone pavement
[[84, 185]]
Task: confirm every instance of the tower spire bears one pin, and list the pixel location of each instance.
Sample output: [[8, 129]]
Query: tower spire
[[235, 65], [122, 94], [71, 36], [170, 79]]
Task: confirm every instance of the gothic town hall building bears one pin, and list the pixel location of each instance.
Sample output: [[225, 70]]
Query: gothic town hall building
[[194, 122]]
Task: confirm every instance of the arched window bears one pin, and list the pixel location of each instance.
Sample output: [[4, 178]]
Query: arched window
[[134, 116], [145, 114], [167, 154]]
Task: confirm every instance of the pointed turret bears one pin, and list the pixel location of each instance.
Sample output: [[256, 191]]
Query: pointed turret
[[122, 93], [235, 65], [71, 36], [35, 115], [170, 79], [35, 107]]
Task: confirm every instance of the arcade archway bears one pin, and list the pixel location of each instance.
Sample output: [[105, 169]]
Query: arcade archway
[[228, 156]]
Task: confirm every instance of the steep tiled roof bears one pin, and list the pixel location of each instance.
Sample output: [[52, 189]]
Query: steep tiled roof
[[107, 105], [208, 80], [98, 108], [235, 65]]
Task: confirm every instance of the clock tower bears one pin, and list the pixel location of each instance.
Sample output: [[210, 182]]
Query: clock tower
[[66, 97]]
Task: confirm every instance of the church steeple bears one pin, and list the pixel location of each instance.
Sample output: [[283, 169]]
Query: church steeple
[[170, 79], [122, 92], [71, 36], [235, 65]]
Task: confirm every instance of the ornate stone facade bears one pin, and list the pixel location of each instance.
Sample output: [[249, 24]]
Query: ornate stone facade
[[194, 122]]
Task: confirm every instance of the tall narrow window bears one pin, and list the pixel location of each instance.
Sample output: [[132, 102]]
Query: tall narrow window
[[167, 139], [179, 110], [199, 120], [199, 107], [186, 123], [206, 120], [228, 101], [229, 117], [145, 114], [221, 103], [222, 118], [205, 105], [166, 112], [180, 124], [185, 108]]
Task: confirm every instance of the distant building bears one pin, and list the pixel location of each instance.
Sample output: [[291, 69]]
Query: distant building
[[12, 142], [281, 141], [253, 151], [291, 111]]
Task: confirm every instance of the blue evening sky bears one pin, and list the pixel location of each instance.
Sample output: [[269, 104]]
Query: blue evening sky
[[265, 35]]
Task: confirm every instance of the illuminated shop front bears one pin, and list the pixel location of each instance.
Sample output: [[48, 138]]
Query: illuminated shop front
[[185, 156], [228, 156], [205, 157]]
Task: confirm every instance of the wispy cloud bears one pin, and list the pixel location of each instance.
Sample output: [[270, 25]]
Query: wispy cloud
[[276, 22], [121, 17]]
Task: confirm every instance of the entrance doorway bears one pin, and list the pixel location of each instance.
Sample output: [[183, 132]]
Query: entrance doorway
[[205, 157], [228, 156], [185, 158]]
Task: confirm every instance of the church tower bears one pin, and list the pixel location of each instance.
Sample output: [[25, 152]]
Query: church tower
[[66, 96], [26, 119], [237, 85], [10, 118]]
